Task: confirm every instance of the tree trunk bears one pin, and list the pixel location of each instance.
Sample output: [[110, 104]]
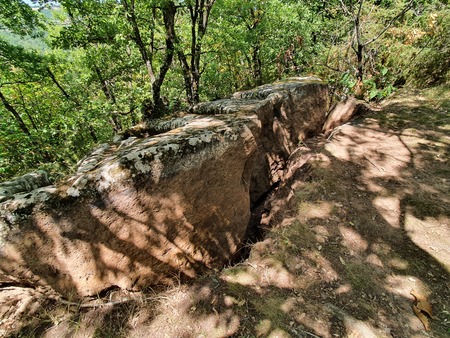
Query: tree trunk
[[256, 17], [16, 115], [359, 45], [137, 38], [92, 133], [187, 78], [25, 109], [257, 66], [55, 81], [117, 126], [199, 14], [159, 108], [109, 95]]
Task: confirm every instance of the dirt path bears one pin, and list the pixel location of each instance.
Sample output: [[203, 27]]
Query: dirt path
[[362, 221]]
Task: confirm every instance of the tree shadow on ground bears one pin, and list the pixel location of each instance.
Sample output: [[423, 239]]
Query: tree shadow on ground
[[352, 236]]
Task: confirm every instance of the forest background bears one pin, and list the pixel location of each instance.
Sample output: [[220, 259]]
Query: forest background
[[75, 73]]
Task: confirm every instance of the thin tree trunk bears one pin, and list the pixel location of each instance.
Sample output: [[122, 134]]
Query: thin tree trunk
[[16, 115], [169, 12], [26, 110], [109, 95], [257, 66], [66, 95], [187, 78], [117, 126], [197, 35], [92, 133], [360, 46], [357, 41], [199, 14], [146, 57]]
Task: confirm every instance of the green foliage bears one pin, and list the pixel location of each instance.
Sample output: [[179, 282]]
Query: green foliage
[[18, 17], [73, 76], [259, 41], [432, 65], [380, 86]]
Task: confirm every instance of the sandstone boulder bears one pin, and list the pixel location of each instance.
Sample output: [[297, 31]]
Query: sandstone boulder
[[144, 211]]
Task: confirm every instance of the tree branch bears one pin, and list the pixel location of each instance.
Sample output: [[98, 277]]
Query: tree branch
[[407, 8], [18, 82], [346, 10], [16, 115]]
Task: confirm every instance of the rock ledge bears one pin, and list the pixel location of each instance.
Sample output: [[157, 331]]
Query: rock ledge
[[140, 212]]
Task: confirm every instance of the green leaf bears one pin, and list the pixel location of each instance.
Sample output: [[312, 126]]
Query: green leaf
[[374, 92]]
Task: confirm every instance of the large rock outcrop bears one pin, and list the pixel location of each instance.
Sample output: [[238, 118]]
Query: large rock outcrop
[[142, 211]]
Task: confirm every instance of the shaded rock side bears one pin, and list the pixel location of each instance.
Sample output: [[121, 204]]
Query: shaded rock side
[[342, 112], [297, 110], [141, 212]]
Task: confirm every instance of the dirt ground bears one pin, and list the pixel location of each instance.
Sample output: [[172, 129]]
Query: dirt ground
[[356, 238]]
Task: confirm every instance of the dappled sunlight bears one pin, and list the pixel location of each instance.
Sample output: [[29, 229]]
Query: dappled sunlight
[[374, 260], [314, 321], [398, 264], [317, 209], [405, 101], [17, 303], [432, 235], [352, 240], [275, 273], [381, 248], [353, 327], [263, 328], [374, 186], [359, 328], [115, 240], [322, 233], [159, 238], [343, 289], [264, 272], [388, 207], [241, 276], [402, 285], [432, 190], [343, 256], [322, 267], [356, 226], [194, 308], [343, 153], [379, 230]]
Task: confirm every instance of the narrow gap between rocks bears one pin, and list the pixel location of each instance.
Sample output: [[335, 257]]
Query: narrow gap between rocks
[[255, 230]]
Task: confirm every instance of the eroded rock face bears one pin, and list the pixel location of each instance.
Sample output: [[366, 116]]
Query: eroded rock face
[[142, 211], [24, 184]]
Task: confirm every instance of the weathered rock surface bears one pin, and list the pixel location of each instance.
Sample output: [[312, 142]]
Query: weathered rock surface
[[23, 184], [144, 211], [342, 112]]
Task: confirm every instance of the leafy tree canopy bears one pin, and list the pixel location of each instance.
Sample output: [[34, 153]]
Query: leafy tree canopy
[[18, 17]]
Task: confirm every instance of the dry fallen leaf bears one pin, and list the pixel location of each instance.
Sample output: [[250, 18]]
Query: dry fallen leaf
[[422, 303], [422, 309], [423, 318]]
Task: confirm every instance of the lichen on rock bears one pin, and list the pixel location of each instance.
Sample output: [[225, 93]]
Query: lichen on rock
[[25, 183]]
